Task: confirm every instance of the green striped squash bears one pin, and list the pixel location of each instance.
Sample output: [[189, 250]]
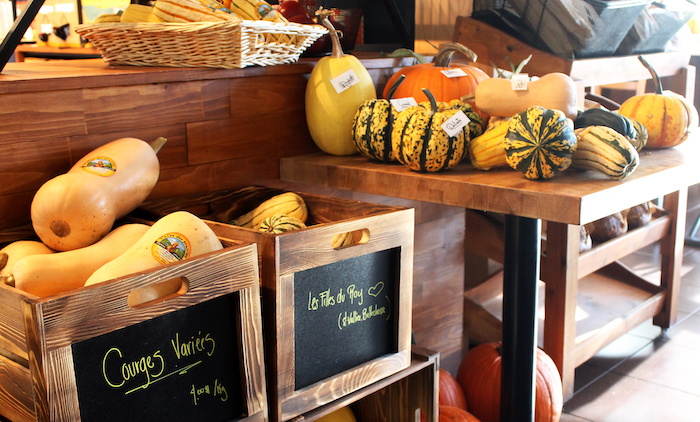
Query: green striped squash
[[420, 142], [281, 223], [373, 124], [603, 149], [540, 142]]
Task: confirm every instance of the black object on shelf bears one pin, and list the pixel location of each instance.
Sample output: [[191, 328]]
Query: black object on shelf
[[19, 27]]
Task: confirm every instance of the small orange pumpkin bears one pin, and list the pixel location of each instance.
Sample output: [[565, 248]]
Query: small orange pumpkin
[[450, 392], [430, 76], [667, 117], [479, 375], [455, 414]]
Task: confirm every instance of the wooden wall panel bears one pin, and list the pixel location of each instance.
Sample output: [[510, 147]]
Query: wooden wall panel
[[41, 115], [31, 164]]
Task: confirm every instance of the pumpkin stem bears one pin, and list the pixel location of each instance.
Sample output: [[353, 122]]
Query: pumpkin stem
[[337, 49], [431, 98], [158, 143], [395, 86], [444, 56], [3, 260], [8, 280], [654, 76]]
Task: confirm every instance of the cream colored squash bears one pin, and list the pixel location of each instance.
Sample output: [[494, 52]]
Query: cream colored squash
[[18, 250], [78, 208], [496, 97], [174, 237], [46, 275]]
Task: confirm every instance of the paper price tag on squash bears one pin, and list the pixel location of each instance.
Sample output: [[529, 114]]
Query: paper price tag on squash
[[454, 124], [401, 104], [344, 81], [454, 73], [519, 82]]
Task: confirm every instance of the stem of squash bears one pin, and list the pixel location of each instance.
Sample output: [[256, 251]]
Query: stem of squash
[[654, 76], [444, 56], [395, 86], [3, 260], [431, 98], [336, 49], [158, 143]]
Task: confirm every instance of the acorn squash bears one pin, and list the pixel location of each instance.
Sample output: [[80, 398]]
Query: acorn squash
[[540, 142]]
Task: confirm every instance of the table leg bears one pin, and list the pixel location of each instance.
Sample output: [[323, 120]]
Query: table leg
[[520, 276]]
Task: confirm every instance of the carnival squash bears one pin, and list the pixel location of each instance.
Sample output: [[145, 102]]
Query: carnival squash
[[436, 77], [50, 274], [479, 375], [421, 143], [338, 84], [372, 126], [496, 96], [540, 142], [668, 119], [173, 238], [78, 208]]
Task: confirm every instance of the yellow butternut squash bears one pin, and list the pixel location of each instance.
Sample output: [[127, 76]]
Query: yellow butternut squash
[[17, 250], [46, 275], [174, 237], [78, 208], [496, 97], [329, 111]]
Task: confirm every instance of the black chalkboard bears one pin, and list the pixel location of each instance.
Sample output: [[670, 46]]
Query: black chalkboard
[[182, 366], [345, 315]]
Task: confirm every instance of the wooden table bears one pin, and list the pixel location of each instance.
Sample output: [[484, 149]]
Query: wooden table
[[571, 199]]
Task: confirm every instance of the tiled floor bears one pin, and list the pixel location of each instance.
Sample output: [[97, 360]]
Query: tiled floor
[[647, 375]]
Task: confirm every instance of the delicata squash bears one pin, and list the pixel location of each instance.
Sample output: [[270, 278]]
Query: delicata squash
[[78, 208]]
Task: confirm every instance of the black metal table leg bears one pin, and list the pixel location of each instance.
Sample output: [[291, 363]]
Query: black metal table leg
[[520, 277]]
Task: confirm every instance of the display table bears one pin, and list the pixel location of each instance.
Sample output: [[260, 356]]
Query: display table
[[571, 199]]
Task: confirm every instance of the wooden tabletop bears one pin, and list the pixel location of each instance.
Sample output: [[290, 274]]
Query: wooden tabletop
[[571, 197]]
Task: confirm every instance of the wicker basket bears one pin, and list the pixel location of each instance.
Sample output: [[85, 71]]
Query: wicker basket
[[201, 44]]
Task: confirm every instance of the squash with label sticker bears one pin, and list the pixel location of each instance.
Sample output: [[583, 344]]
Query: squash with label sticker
[[446, 80], [50, 274], [420, 141], [338, 84], [174, 237], [78, 208], [496, 96]]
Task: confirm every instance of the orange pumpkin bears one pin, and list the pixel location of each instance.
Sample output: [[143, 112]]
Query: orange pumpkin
[[430, 76], [667, 116], [450, 392], [455, 414], [479, 375]]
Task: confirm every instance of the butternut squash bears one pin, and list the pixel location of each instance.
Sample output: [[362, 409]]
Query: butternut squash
[[330, 103], [78, 208], [13, 252], [174, 237], [495, 96], [46, 275]]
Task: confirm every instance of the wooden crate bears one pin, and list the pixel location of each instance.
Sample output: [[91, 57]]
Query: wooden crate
[[314, 357], [62, 357]]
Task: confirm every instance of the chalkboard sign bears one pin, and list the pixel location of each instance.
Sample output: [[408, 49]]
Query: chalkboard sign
[[182, 366], [345, 315]]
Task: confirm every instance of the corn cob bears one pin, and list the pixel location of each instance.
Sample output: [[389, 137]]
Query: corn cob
[[258, 10], [603, 149], [139, 13]]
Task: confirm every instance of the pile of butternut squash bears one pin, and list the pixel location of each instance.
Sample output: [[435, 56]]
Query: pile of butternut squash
[[74, 215]]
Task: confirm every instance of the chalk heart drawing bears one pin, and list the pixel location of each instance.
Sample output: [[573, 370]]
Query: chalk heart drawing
[[374, 291]]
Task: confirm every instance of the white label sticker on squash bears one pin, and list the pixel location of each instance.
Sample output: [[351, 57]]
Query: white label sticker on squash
[[454, 124], [519, 82], [344, 81], [401, 104], [456, 72]]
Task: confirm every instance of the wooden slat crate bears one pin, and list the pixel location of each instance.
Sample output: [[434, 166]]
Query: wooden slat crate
[[319, 344], [69, 357]]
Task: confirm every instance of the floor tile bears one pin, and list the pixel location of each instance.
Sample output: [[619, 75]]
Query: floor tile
[[667, 364], [687, 332], [572, 418], [617, 351], [618, 398]]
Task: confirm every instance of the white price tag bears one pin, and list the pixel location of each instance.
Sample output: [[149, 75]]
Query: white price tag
[[519, 82], [344, 81], [401, 104], [456, 72], [455, 123]]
